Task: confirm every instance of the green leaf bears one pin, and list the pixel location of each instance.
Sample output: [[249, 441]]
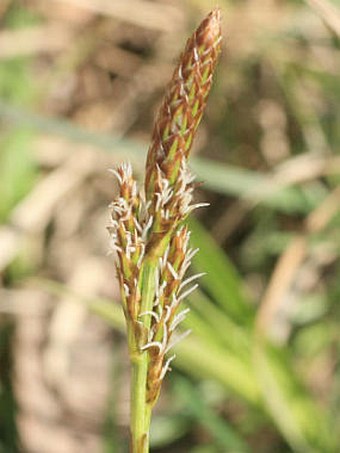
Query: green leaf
[[221, 328], [206, 359], [222, 281], [302, 422], [16, 85], [17, 169], [223, 433], [167, 429]]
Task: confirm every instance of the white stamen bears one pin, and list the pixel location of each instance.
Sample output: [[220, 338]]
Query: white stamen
[[190, 279], [140, 259], [178, 319], [160, 311], [117, 175], [137, 225], [150, 313], [185, 265], [150, 334], [156, 302], [113, 225], [146, 228], [126, 290], [116, 248], [177, 339], [198, 205], [160, 289], [187, 292], [166, 367], [163, 260], [168, 313], [192, 253], [173, 272], [126, 169], [165, 337], [153, 344]]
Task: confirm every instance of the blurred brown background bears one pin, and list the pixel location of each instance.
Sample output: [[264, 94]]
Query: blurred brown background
[[80, 81]]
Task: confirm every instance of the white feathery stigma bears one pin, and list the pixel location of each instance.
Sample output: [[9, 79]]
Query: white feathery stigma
[[166, 367]]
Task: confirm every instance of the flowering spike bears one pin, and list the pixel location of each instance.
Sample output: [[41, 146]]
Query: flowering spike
[[184, 102], [147, 231]]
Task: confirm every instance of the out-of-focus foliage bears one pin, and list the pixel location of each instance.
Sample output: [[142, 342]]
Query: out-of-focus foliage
[[79, 84]]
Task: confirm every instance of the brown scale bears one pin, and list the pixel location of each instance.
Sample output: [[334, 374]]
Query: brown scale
[[155, 369]]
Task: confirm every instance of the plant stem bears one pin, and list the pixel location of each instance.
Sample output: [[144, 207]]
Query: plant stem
[[140, 409]]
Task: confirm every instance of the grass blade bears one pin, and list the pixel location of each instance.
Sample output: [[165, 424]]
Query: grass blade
[[222, 280]]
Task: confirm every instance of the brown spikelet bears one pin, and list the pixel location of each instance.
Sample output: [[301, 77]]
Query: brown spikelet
[[184, 102], [126, 229]]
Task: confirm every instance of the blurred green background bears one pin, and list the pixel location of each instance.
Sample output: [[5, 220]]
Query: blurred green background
[[80, 81]]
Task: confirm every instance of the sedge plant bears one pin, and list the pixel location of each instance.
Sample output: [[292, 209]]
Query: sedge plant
[[148, 230]]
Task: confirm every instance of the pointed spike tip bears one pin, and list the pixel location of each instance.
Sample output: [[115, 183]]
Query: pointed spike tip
[[187, 93], [214, 18]]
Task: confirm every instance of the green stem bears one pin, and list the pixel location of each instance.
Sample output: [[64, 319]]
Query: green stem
[[140, 409]]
